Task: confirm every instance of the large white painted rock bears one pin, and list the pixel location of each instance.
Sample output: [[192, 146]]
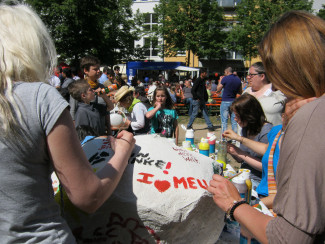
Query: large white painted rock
[[161, 197]]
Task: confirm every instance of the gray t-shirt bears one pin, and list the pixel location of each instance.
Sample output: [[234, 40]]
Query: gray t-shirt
[[29, 213], [187, 92], [300, 198], [260, 137]]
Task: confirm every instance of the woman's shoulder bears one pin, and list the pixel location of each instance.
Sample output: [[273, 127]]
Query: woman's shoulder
[[266, 128], [140, 106], [34, 89], [311, 112], [274, 131], [247, 90]]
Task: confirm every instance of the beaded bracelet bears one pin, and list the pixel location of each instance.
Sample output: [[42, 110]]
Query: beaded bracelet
[[231, 210]]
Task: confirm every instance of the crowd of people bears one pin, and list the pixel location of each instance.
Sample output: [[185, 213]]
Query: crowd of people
[[277, 120]]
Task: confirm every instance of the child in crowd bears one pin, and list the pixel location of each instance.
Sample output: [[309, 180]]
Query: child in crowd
[[210, 99], [88, 112], [163, 116]]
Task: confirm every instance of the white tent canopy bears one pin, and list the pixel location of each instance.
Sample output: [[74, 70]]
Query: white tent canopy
[[185, 68]]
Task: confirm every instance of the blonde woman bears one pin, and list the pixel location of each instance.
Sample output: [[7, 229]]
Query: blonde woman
[[37, 135], [293, 53]]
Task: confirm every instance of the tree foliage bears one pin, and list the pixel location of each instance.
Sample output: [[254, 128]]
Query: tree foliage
[[321, 12], [191, 25], [254, 18], [104, 28]]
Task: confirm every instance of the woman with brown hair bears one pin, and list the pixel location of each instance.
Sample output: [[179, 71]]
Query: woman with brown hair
[[250, 116], [293, 53]]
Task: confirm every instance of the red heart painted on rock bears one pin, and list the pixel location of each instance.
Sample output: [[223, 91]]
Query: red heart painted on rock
[[162, 185]]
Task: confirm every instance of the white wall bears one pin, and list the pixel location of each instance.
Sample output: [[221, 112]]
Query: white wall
[[317, 5], [145, 7]]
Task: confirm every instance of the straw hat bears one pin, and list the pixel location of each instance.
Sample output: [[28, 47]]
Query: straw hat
[[124, 90]]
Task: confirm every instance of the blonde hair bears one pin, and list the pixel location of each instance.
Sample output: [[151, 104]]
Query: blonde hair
[[293, 54], [27, 53]]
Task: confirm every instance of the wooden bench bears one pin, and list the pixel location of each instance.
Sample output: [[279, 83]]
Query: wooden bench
[[214, 108], [181, 108]]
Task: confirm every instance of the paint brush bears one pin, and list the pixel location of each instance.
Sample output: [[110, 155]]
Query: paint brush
[[235, 175]]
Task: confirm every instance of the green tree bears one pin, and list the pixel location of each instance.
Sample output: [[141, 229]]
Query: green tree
[[191, 25], [104, 28], [321, 12], [254, 18]]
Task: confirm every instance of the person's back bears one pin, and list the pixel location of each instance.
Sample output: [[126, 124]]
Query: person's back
[[231, 87], [22, 163], [37, 137], [214, 86]]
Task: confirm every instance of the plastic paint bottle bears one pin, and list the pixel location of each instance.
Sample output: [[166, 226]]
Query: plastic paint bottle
[[189, 136], [204, 147], [212, 144], [209, 134]]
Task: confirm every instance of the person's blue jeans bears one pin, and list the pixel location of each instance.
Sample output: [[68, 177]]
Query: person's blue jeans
[[196, 106], [189, 102], [224, 113]]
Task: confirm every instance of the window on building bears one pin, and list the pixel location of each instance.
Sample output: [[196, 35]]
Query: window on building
[[151, 46], [181, 53], [150, 22], [228, 3]]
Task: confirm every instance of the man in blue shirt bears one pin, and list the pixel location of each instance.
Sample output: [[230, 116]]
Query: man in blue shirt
[[231, 86]]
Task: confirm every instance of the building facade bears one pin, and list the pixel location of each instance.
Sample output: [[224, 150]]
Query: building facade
[[151, 45]]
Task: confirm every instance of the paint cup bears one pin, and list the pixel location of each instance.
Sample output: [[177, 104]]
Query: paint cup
[[212, 144], [204, 147], [245, 173], [187, 145], [189, 136], [240, 184]]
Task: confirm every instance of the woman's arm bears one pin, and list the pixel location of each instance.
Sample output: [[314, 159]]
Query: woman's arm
[[225, 193], [256, 146], [242, 155], [268, 201], [85, 189]]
